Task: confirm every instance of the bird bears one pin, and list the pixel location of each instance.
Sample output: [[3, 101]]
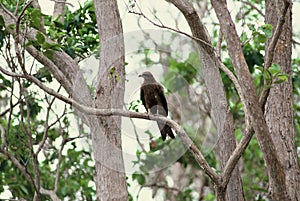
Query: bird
[[154, 101]]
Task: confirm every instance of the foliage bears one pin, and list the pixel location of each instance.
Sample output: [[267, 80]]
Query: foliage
[[78, 35], [32, 120], [27, 125]]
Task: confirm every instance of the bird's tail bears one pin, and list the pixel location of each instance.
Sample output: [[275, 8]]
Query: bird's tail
[[165, 130]]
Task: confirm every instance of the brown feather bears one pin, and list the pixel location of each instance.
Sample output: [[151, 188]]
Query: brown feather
[[154, 100]]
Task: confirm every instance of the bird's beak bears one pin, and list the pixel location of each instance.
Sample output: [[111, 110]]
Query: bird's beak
[[140, 75]]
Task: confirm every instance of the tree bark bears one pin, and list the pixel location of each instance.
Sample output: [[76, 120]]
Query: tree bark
[[59, 10], [110, 175], [279, 106], [221, 113], [252, 106]]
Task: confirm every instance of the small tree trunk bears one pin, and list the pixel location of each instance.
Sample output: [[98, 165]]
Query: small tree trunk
[[59, 10], [279, 106], [110, 175], [221, 114]]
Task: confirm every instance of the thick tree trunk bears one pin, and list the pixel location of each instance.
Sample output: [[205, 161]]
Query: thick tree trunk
[[252, 107], [279, 106], [110, 175], [221, 114]]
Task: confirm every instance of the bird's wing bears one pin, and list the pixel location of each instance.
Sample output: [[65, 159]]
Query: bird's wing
[[161, 94], [143, 98]]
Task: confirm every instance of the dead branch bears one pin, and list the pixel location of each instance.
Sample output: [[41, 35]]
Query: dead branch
[[161, 25]]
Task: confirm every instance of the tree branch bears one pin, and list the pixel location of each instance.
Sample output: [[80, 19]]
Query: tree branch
[[272, 45], [161, 25], [119, 112], [258, 123], [253, 7], [63, 67], [271, 49]]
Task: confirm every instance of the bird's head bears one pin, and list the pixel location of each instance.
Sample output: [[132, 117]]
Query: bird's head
[[147, 76]]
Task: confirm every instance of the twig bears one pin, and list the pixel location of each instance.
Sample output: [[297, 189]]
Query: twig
[[9, 109], [236, 155], [119, 112], [162, 186], [51, 193], [58, 165], [253, 6], [46, 126], [17, 8], [8, 12], [295, 42], [63, 1], [17, 38], [3, 138], [137, 137], [169, 28]]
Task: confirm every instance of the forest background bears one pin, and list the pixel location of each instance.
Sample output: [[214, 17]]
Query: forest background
[[47, 145]]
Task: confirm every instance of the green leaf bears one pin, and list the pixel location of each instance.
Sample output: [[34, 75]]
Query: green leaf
[[244, 37], [40, 38], [267, 29], [52, 46], [279, 81], [266, 74], [282, 78], [2, 23], [139, 178], [12, 26], [43, 73], [24, 189], [268, 86], [251, 27], [3, 165], [275, 68], [49, 54], [35, 18], [260, 68], [261, 38]]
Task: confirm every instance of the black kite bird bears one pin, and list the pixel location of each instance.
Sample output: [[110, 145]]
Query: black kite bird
[[154, 100]]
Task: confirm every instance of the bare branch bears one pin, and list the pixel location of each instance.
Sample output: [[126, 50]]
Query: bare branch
[[119, 112], [295, 42], [46, 126], [63, 1], [17, 8], [162, 186], [3, 138], [58, 165], [236, 155], [253, 7], [51, 193], [8, 109], [137, 137], [161, 25], [63, 67], [8, 12]]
